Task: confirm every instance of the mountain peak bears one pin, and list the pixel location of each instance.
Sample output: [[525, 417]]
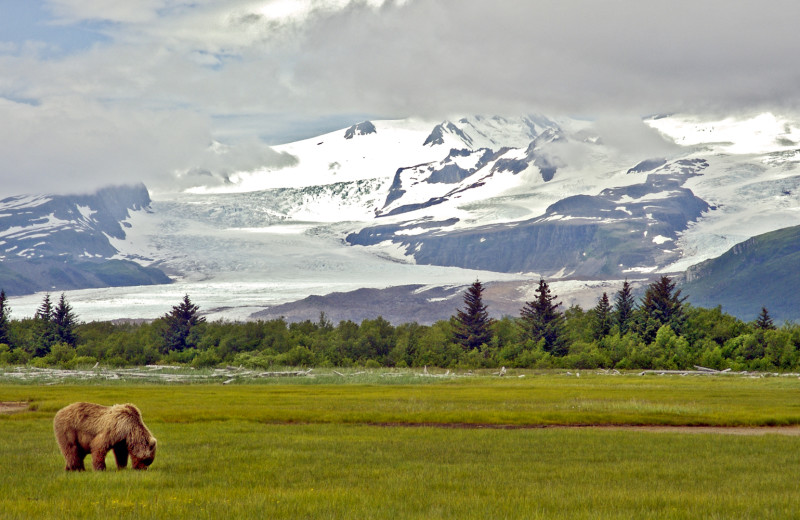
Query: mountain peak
[[363, 128]]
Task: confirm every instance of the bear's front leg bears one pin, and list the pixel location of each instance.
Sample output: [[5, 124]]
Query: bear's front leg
[[121, 454]]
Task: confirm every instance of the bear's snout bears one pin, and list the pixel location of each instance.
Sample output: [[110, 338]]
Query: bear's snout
[[142, 464]]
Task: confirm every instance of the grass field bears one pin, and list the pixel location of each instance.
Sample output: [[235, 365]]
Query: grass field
[[413, 449]]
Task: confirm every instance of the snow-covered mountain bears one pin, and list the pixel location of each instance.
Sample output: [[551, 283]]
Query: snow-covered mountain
[[65, 242], [385, 203]]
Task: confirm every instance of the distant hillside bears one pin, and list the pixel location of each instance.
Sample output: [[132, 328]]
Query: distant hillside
[[403, 304], [761, 271], [22, 276], [65, 242]]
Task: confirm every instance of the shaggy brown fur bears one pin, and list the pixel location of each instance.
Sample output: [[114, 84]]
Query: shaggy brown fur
[[83, 428]]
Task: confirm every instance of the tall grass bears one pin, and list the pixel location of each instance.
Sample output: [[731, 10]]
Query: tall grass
[[239, 469], [539, 400], [325, 451]]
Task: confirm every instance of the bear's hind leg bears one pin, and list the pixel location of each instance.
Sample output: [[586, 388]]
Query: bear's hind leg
[[74, 456], [99, 448]]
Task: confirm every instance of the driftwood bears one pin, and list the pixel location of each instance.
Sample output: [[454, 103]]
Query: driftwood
[[287, 373], [699, 371], [225, 376], [704, 369]]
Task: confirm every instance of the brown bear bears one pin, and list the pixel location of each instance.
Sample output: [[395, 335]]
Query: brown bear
[[83, 428]]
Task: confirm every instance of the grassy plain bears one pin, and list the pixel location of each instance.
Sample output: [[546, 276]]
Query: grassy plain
[[400, 449]]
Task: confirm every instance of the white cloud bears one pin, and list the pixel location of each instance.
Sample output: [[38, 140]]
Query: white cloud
[[73, 145], [151, 94]]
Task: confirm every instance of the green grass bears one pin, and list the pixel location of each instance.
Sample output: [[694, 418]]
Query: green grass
[[314, 451], [534, 400]]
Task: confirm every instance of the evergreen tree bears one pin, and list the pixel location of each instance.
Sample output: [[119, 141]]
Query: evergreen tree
[[45, 330], [473, 323], [65, 322], [179, 323], [764, 320], [602, 318], [5, 319], [662, 305], [541, 320], [624, 307]]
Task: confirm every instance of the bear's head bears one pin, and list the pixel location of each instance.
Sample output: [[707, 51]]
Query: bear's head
[[143, 453], [141, 443]]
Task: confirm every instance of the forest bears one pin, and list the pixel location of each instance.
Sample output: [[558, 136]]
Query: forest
[[659, 331]]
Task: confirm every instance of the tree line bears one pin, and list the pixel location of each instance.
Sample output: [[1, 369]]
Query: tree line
[[659, 331]]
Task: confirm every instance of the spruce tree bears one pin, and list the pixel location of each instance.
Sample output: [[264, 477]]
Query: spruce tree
[[179, 323], [45, 330], [5, 319], [662, 305], [602, 317], [473, 325], [624, 307], [65, 322], [541, 320], [764, 320]]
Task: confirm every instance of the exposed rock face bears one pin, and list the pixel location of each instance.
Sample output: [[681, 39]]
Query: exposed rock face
[[363, 128], [648, 165]]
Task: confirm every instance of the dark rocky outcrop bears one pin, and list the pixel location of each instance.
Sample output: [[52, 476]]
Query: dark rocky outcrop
[[363, 128]]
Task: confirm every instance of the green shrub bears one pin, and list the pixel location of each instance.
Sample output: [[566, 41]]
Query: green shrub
[[298, 356]]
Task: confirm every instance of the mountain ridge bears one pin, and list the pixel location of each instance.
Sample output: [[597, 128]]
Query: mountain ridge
[[64, 242], [488, 197]]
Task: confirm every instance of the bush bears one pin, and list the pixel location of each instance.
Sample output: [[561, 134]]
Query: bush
[[298, 356], [477, 358], [206, 358], [255, 360]]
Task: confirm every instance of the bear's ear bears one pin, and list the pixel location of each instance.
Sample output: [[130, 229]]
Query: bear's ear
[[130, 408], [151, 442]]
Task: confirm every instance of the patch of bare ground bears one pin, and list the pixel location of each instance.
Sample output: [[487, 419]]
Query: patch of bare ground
[[9, 407], [725, 430], [718, 430]]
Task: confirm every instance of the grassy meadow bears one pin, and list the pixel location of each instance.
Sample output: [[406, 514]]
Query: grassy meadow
[[420, 448]]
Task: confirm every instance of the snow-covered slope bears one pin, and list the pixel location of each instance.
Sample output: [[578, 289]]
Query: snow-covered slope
[[752, 181], [488, 197]]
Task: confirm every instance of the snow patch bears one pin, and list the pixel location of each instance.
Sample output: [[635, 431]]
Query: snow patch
[[641, 269], [760, 134]]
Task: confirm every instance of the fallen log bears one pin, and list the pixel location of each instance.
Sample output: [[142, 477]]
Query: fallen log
[[705, 369], [287, 373]]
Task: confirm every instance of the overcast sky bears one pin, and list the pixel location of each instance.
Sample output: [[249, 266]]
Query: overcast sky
[[94, 92]]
